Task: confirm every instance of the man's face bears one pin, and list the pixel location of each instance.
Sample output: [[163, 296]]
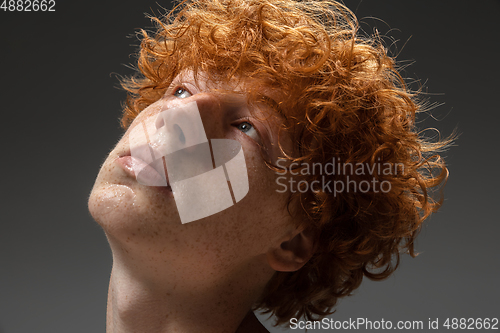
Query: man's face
[[145, 221]]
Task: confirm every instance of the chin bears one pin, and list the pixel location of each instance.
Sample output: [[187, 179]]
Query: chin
[[130, 211], [110, 202]]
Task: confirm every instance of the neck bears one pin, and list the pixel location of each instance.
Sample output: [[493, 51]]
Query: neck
[[139, 305]]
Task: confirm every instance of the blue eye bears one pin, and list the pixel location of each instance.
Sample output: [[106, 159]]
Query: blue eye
[[181, 93], [245, 127], [249, 130]]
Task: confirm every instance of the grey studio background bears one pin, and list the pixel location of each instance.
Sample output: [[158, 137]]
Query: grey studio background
[[59, 110]]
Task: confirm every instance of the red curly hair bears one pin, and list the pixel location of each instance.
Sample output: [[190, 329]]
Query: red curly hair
[[344, 100]]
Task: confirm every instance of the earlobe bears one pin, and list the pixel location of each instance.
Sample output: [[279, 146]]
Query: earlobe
[[294, 252]]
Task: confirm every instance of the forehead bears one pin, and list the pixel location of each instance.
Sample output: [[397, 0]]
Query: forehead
[[236, 89]]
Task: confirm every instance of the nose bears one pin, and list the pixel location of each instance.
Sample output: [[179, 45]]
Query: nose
[[177, 128], [205, 176], [180, 115]]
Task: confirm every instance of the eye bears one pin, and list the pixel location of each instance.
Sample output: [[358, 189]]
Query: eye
[[181, 92], [249, 130]]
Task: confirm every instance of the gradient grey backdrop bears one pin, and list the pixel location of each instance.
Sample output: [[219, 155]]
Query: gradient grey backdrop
[[59, 117]]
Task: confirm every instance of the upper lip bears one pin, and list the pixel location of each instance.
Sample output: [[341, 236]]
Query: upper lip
[[128, 152]]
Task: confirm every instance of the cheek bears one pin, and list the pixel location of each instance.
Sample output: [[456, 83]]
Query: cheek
[[263, 184], [249, 227], [261, 215]]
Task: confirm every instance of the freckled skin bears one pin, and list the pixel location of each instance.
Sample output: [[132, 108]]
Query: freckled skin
[[210, 267]]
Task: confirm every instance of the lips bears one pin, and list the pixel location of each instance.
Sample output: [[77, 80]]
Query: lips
[[153, 174]]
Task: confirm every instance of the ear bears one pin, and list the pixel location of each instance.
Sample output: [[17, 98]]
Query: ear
[[293, 252]]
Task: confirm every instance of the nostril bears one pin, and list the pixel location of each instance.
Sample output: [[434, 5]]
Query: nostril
[[180, 134], [159, 123]]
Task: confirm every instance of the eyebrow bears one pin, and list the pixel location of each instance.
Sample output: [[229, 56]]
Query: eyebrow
[[261, 97], [174, 82]]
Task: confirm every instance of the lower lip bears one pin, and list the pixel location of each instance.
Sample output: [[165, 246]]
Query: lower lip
[[127, 164]]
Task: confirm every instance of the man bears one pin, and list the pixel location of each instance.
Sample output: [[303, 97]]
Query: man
[[335, 178]]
